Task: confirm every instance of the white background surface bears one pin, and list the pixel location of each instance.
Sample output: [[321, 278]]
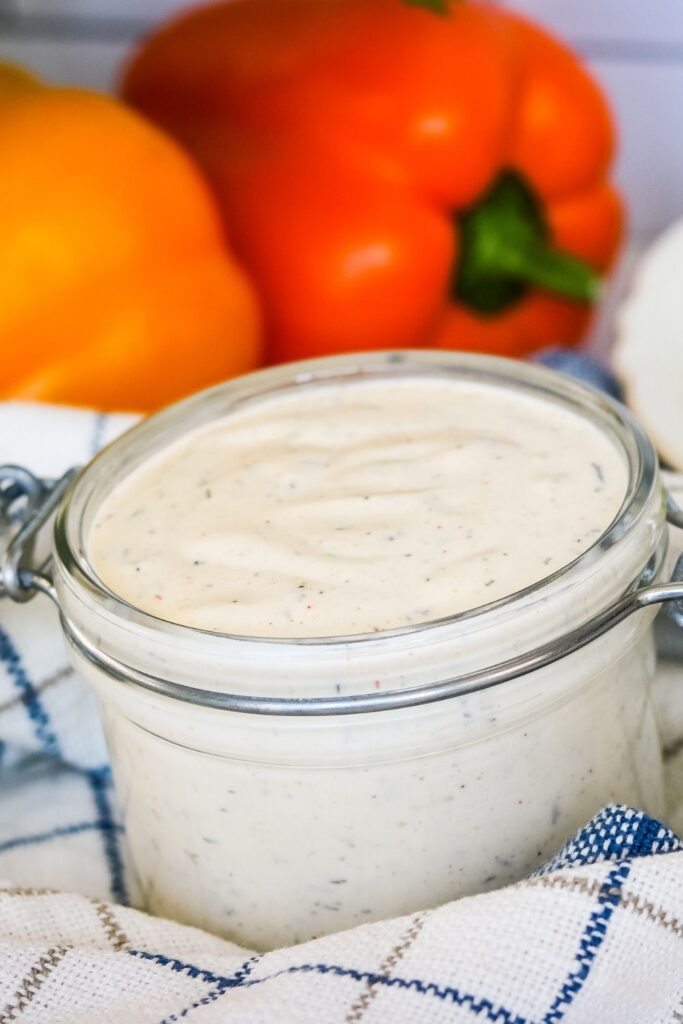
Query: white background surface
[[634, 46]]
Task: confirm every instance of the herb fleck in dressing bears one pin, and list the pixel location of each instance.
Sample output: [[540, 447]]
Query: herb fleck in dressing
[[355, 508]]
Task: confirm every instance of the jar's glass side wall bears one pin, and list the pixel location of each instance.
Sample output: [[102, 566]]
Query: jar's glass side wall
[[271, 852]]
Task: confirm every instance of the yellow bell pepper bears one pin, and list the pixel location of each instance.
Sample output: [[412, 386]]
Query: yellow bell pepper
[[117, 289]]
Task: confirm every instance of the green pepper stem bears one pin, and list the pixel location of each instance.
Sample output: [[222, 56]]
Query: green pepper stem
[[506, 248], [551, 269], [435, 6]]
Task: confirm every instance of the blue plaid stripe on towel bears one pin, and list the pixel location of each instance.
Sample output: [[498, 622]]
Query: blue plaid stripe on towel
[[594, 937]]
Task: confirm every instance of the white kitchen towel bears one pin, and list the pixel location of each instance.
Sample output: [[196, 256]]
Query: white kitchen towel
[[595, 940], [44, 708], [57, 817]]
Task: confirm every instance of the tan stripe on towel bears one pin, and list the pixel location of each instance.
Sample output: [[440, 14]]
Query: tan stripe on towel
[[32, 982], [358, 1009], [628, 900]]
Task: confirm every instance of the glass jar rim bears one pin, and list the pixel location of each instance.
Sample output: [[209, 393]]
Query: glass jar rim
[[168, 659], [606, 413]]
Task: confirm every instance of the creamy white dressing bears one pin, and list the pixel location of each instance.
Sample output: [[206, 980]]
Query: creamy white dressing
[[358, 507], [339, 509]]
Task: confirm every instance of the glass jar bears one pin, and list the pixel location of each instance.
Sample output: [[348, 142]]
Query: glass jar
[[275, 790]]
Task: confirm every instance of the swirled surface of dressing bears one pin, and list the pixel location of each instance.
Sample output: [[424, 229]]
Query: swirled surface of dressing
[[349, 508]]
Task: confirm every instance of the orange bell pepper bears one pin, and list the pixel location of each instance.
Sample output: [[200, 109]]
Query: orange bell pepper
[[391, 176], [116, 288]]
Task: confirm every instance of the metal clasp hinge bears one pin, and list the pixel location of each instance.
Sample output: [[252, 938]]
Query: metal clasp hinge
[[27, 502], [674, 516]]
